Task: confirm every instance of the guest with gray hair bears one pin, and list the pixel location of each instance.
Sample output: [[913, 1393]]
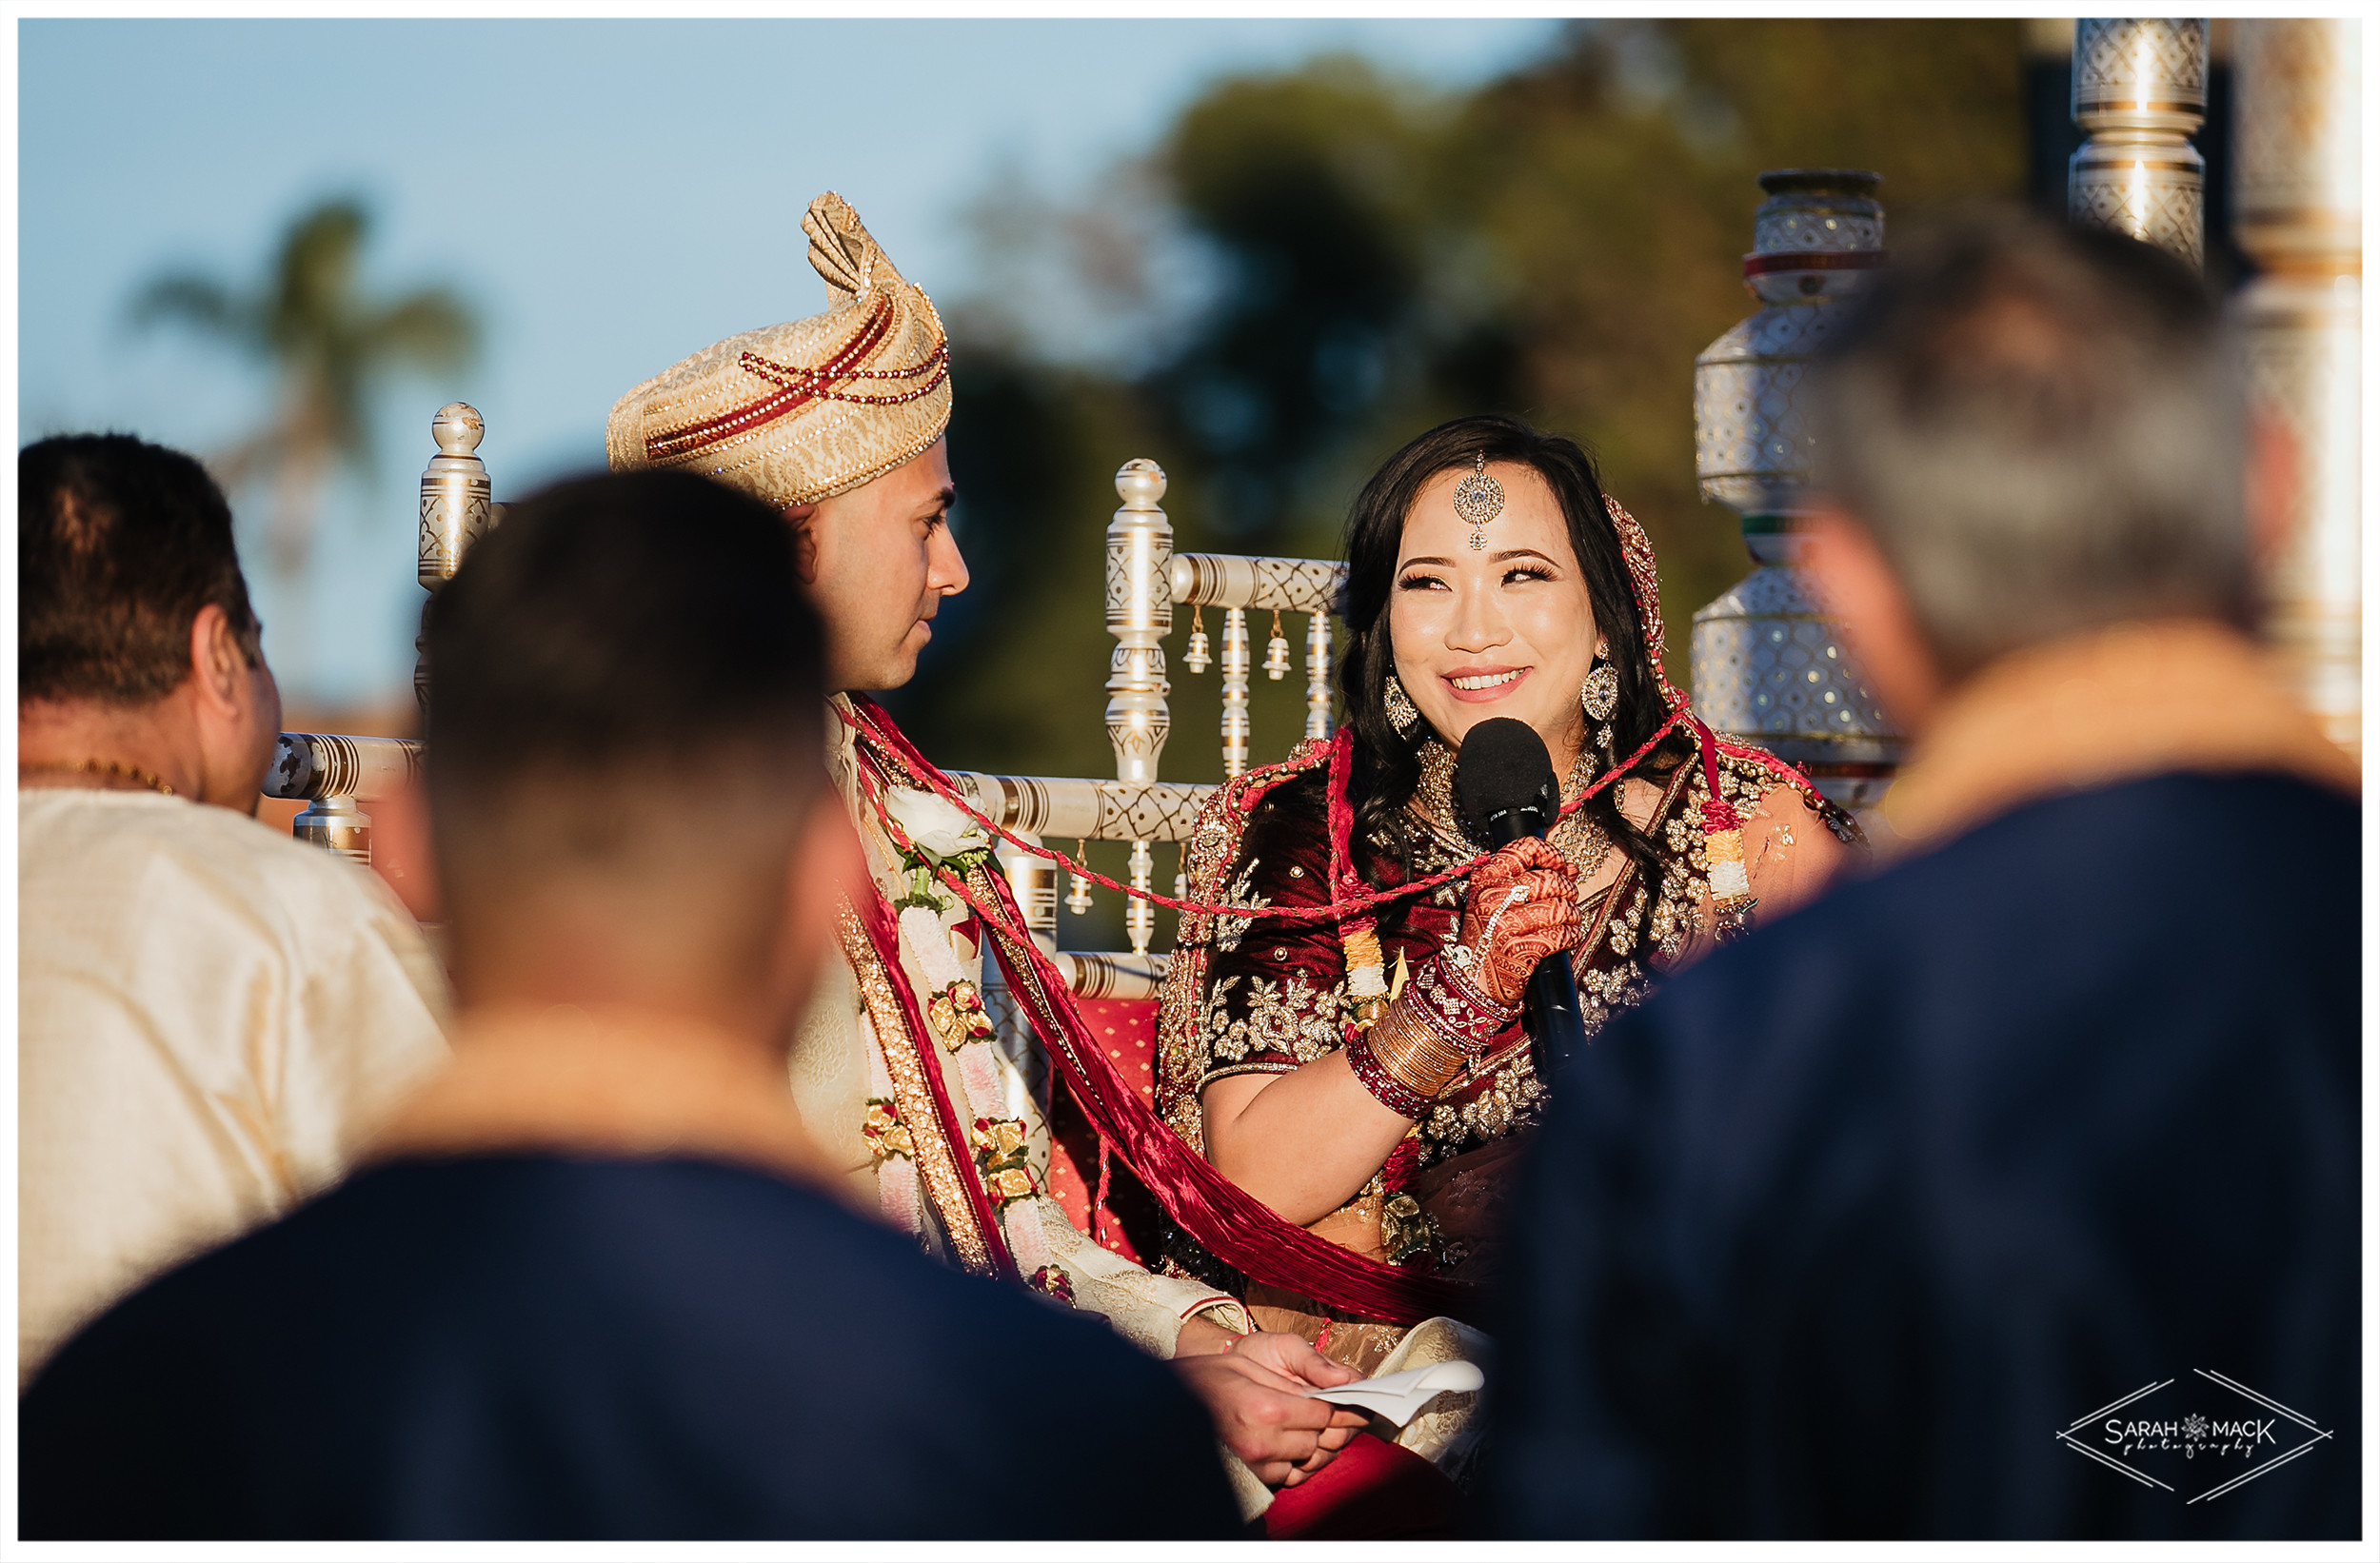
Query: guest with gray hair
[[1977, 1199], [2048, 443]]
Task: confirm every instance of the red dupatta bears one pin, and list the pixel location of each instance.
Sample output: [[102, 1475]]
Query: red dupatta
[[1226, 1221], [1231, 1224]]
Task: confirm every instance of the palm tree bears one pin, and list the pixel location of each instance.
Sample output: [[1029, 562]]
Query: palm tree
[[331, 344]]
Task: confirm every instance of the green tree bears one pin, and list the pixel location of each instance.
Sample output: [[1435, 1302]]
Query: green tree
[[1615, 182], [1559, 243], [331, 346]]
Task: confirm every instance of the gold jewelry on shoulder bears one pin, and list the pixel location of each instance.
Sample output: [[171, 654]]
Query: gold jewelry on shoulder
[[110, 768]]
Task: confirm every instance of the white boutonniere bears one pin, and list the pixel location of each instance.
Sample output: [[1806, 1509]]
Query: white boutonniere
[[941, 836]]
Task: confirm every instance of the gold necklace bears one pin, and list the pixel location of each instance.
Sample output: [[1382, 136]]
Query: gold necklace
[[1575, 836], [105, 767]]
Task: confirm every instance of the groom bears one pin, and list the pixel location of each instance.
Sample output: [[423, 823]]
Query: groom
[[837, 420]]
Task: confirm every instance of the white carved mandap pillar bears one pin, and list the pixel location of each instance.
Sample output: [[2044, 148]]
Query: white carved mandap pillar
[[2140, 92], [1139, 616], [1768, 663], [2299, 202]]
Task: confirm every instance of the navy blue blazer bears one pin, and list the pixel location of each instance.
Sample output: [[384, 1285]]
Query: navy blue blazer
[[529, 1346], [1841, 1234]]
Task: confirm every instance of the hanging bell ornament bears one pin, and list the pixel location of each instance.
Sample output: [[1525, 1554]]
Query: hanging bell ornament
[[1196, 658], [1077, 888], [1276, 653]]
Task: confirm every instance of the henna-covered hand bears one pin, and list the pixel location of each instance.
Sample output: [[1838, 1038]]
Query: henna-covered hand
[[1459, 1000], [1523, 907]]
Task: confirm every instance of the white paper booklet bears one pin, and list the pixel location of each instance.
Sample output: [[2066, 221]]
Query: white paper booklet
[[1399, 1395]]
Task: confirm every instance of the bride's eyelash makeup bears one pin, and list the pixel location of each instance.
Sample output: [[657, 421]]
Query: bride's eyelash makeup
[[1423, 579]]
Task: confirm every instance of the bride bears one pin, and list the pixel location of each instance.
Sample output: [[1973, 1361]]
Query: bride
[[1369, 1078]]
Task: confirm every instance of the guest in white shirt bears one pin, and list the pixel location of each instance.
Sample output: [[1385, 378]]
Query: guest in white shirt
[[210, 1015]]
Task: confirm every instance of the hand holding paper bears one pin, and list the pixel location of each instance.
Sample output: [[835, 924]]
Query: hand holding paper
[[1400, 1396]]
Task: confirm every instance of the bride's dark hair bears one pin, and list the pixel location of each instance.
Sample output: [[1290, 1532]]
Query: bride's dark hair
[[1387, 766]]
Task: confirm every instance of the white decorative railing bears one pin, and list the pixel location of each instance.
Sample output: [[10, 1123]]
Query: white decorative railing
[[335, 773], [1085, 808], [1145, 577]]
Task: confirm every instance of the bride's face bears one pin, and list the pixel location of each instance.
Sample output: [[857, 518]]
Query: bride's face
[[1505, 630]]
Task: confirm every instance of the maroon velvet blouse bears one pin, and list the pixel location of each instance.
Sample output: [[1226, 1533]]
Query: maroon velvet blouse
[[1268, 996]]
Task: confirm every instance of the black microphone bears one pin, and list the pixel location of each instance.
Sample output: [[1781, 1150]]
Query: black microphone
[[1504, 789]]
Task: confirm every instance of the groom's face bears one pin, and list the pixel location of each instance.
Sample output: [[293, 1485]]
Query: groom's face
[[878, 562]]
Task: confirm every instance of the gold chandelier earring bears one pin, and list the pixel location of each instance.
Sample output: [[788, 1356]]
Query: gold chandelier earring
[[1599, 695], [1402, 714]]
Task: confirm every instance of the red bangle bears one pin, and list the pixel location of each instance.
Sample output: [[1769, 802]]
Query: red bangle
[[1390, 1091], [1453, 1004]]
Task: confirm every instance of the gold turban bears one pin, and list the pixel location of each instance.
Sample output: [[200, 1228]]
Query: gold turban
[[796, 412]]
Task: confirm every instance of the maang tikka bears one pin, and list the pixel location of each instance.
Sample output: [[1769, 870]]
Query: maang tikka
[[1479, 499]]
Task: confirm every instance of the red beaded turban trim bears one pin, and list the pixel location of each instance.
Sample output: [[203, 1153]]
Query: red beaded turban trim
[[798, 388], [800, 412]]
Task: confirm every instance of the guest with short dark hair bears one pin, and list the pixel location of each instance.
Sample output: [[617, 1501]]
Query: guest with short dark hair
[[210, 1016], [596, 1281], [1978, 1197]]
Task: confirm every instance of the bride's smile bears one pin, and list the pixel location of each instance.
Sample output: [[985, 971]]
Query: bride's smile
[[1493, 619], [1370, 1078], [1484, 684]]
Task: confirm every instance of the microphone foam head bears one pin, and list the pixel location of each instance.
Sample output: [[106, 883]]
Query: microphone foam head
[[1502, 767]]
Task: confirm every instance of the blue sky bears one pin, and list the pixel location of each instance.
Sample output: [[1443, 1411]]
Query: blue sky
[[612, 196]]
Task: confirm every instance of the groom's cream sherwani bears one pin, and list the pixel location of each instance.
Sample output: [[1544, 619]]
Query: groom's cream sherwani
[[869, 1105]]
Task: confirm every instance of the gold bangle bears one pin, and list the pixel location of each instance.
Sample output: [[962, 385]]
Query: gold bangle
[[1410, 1053]]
